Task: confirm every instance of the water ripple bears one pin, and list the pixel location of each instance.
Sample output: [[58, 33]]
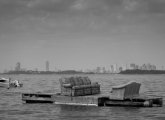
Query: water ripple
[[12, 108]]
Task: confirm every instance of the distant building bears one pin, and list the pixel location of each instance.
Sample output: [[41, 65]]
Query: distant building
[[133, 66], [47, 65], [18, 66], [36, 69], [112, 69], [153, 67], [144, 67], [104, 70], [149, 66], [137, 67], [162, 67], [98, 70], [120, 69], [124, 67], [116, 70]]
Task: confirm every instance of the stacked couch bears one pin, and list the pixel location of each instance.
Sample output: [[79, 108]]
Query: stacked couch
[[78, 86]]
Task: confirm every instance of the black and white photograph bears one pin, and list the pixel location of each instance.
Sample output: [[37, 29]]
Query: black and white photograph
[[82, 59]]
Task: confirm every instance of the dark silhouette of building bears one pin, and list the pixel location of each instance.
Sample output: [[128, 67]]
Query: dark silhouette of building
[[18, 66], [47, 65]]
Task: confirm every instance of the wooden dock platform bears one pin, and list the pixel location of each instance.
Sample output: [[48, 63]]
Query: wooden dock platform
[[90, 100], [80, 91]]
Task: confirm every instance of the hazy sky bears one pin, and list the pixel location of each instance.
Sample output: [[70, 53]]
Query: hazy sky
[[80, 34]]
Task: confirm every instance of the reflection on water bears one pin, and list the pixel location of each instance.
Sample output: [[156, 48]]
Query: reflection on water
[[11, 106]]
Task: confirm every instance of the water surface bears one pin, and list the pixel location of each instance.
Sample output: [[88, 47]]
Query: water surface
[[12, 108]]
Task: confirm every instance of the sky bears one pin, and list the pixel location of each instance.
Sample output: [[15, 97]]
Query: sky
[[81, 34]]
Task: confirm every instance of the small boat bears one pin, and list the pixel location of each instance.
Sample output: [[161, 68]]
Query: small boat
[[4, 82], [8, 83], [15, 83]]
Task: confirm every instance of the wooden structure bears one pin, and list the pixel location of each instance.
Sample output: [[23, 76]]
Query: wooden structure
[[123, 95], [125, 91], [92, 100], [78, 86]]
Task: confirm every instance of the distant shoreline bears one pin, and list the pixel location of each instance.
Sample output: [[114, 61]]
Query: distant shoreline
[[137, 71], [127, 72], [56, 73], [43, 72], [47, 72]]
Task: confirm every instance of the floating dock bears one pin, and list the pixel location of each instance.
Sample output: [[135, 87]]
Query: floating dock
[[91, 100], [81, 91]]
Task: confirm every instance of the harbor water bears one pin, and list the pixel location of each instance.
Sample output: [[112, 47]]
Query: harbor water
[[12, 107]]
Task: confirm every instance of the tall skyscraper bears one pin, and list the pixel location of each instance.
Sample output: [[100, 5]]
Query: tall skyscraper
[[104, 70], [98, 70], [115, 68], [18, 66], [47, 65], [112, 69]]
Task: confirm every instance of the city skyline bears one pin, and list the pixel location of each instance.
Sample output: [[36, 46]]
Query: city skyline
[[99, 69], [81, 34]]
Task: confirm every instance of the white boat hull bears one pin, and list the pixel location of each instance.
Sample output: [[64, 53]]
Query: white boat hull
[[6, 85]]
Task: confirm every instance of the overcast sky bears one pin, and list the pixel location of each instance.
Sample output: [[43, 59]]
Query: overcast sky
[[81, 34]]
